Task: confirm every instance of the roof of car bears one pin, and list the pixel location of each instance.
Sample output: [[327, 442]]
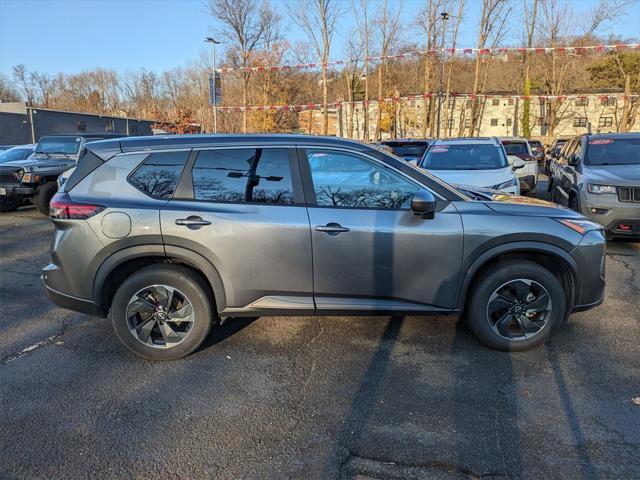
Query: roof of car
[[87, 135], [408, 140], [612, 136], [513, 139], [468, 140], [108, 148]]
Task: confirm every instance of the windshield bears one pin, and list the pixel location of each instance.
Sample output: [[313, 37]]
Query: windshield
[[408, 149], [68, 145], [609, 151], [516, 148], [465, 157], [16, 153]]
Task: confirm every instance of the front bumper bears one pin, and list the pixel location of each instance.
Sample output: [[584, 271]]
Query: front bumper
[[590, 260], [612, 214], [17, 189]]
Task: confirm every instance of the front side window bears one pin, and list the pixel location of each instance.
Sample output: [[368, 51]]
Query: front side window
[[158, 175], [253, 175], [343, 179]]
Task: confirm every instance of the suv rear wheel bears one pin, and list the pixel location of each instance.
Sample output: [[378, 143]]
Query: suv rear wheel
[[516, 306], [44, 196], [162, 312], [9, 204]]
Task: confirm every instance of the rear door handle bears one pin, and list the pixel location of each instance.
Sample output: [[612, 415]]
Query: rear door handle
[[193, 222], [332, 228]]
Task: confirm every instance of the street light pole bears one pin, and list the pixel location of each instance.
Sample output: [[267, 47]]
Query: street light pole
[[444, 16], [213, 43]]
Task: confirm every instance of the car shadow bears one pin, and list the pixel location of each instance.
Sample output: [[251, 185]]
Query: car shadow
[[220, 333]]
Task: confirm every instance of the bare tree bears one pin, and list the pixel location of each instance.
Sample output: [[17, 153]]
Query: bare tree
[[530, 16], [318, 19], [386, 24], [245, 24]]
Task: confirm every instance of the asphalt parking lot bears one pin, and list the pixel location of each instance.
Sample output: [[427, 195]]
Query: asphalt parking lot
[[307, 398]]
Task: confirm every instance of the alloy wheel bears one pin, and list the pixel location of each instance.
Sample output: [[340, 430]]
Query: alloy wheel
[[519, 309], [160, 316]]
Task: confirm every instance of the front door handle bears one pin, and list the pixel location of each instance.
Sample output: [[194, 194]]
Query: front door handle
[[193, 222], [332, 228]]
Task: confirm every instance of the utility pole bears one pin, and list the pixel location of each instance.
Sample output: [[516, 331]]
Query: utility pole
[[444, 16], [214, 105]]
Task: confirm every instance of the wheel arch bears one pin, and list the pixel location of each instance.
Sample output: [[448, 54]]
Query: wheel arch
[[124, 262], [555, 259]]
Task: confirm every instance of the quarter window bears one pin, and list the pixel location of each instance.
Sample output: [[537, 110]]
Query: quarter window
[[342, 179], [158, 175], [253, 175]]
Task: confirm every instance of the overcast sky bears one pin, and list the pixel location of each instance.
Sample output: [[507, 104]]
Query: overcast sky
[[73, 35]]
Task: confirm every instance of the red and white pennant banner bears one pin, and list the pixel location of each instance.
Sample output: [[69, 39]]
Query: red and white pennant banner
[[449, 51], [318, 106]]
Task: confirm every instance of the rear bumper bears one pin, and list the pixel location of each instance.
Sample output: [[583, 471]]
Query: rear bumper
[[70, 302]]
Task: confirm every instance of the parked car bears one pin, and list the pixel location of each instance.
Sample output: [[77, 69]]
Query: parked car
[[34, 179], [553, 151], [599, 176], [165, 235], [473, 161], [537, 148], [19, 152], [528, 175], [411, 151]]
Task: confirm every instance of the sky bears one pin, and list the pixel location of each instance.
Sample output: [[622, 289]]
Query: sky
[[73, 35]]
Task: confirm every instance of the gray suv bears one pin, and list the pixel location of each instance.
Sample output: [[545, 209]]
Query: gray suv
[[599, 176], [167, 235]]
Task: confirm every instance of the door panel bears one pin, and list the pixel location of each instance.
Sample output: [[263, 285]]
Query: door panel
[[370, 252], [387, 254], [258, 250]]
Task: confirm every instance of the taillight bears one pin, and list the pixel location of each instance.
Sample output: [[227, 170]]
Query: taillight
[[62, 207]]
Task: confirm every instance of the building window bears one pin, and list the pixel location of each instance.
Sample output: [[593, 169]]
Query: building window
[[82, 126], [605, 122], [580, 121], [510, 102], [110, 126], [133, 129], [452, 103], [608, 101], [509, 122], [495, 102], [452, 123], [467, 123], [582, 101], [469, 103], [494, 122]]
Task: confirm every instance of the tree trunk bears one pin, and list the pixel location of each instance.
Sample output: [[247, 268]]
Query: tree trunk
[[325, 95], [245, 101], [627, 122], [378, 136]]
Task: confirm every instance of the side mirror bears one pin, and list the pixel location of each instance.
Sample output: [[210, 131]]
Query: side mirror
[[423, 203], [516, 162], [573, 160]]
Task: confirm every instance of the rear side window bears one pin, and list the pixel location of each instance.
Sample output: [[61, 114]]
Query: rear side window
[[158, 175], [252, 175]]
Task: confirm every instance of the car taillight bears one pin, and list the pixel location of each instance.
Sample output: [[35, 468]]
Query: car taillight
[[62, 207]]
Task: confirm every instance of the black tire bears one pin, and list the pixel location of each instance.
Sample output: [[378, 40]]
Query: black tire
[[44, 196], [183, 280], [477, 315], [9, 204], [574, 204], [555, 196]]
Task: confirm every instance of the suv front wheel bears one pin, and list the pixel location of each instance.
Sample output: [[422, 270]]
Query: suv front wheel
[[516, 306], [162, 312]]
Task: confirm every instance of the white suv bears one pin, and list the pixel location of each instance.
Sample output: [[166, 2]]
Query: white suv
[[476, 162]]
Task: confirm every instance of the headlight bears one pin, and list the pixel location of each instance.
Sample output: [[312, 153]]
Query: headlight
[[600, 189], [510, 183], [580, 226]]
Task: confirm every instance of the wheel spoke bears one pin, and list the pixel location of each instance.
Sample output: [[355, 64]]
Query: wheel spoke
[[504, 323], [162, 294], [521, 289], [540, 304], [144, 329], [526, 325], [169, 334], [140, 305], [183, 315], [499, 302]]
